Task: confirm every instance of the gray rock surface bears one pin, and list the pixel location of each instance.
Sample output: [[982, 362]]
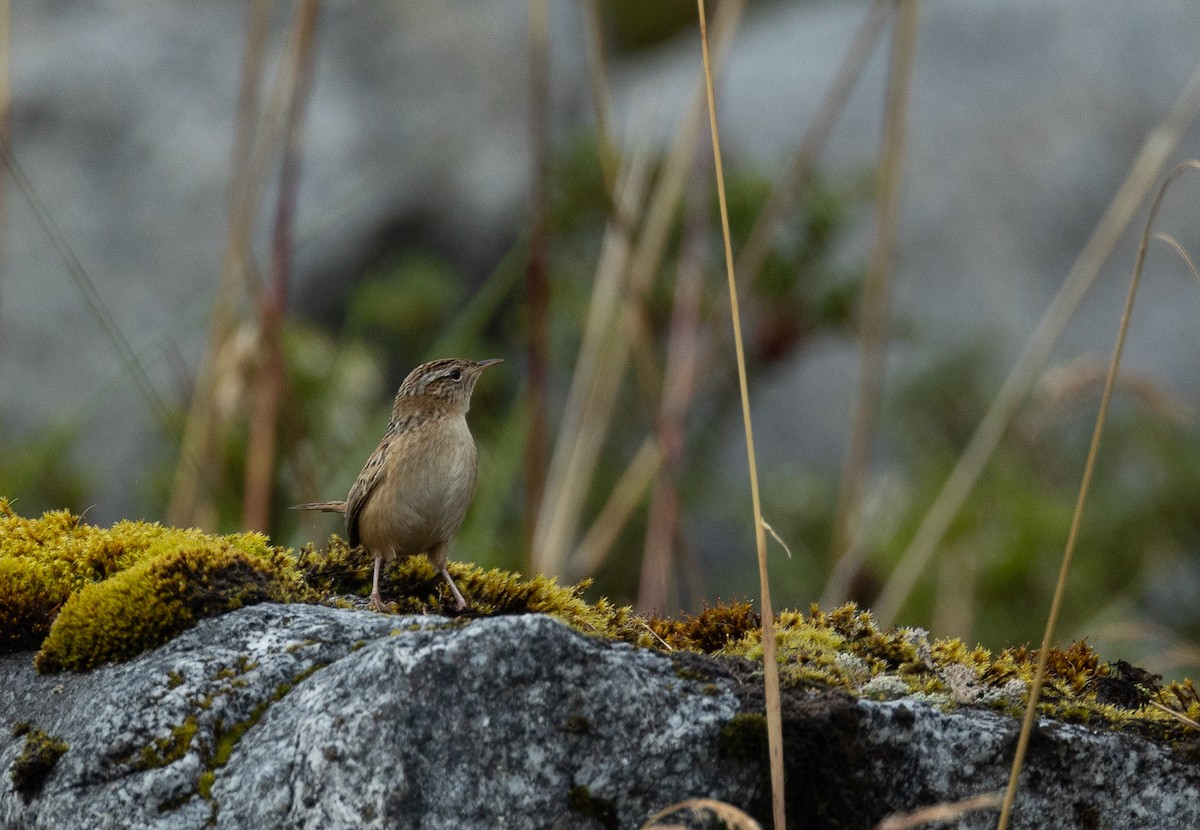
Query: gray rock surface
[[310, 717]]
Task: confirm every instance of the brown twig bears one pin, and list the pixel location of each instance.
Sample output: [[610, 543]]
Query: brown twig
[[264, 423]]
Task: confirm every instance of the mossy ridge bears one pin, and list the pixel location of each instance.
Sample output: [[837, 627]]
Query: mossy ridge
[[44, 561], [412, 586], [148, 604], [37, 760], [844, 648]]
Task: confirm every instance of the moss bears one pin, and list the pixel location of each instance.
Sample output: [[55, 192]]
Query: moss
[[169, 749], [37, 760], [580, 800], [155, 600], [174, 679], [710, 631], [44, 561]]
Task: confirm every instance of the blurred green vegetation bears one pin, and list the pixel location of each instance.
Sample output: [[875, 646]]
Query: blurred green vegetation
[[39, 471]]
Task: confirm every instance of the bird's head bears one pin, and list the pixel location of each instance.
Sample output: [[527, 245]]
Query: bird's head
[[450, 379]]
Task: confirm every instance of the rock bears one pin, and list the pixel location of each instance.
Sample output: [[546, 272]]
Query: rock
[[303, 716]]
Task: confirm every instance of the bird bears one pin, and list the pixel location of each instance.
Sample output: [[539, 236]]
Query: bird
[[414, 490]]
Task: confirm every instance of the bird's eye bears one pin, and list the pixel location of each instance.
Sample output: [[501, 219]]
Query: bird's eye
[[456, 375]]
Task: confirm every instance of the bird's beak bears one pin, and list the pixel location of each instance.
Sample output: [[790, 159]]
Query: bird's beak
[[483, 364]]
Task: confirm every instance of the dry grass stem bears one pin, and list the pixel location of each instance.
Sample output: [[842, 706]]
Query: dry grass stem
[[1077, 519], [87, 288], [877, 292], [733, 818], [1183, 254], [192, 499], [1179, 716], [5, 135], [603, 353], [601, 100], [940, 812], [1156, 149], [770, 665], [663, 524]]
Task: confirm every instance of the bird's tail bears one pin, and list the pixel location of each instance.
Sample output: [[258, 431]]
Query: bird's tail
[[323, 506]]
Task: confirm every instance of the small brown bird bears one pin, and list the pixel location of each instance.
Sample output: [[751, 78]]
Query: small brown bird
[[413, 492]]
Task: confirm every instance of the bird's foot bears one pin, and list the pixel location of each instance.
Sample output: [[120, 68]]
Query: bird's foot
[[376, 602]]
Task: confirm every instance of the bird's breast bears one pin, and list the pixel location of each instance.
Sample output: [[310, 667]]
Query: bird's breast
[[427, 486]]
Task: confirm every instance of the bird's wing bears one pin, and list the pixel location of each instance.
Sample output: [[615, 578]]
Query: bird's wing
[[364, 485]]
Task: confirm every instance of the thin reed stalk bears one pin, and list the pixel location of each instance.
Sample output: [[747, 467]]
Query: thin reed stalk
[[191, 493], [601, 101], [679, 383], [770, 666], [877, 292], [1157, 148], [269, 391], [1077, 519], [537, 269]]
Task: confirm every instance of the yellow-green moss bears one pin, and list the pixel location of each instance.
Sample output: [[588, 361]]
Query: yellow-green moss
[[37, 760], [156, 599], [166, 750], [44, 561]]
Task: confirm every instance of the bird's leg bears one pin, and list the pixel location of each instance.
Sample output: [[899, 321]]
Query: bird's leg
[[376, 601], [458, 597], [437, 555]]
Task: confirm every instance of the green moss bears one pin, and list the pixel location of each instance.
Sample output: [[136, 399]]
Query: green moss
[[174, 679], [37, 760], [170, 749]]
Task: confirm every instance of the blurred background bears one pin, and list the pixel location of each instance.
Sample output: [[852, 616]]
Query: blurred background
[[230, 229]]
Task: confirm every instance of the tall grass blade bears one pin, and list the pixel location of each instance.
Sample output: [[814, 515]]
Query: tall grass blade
[[770, 666]]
